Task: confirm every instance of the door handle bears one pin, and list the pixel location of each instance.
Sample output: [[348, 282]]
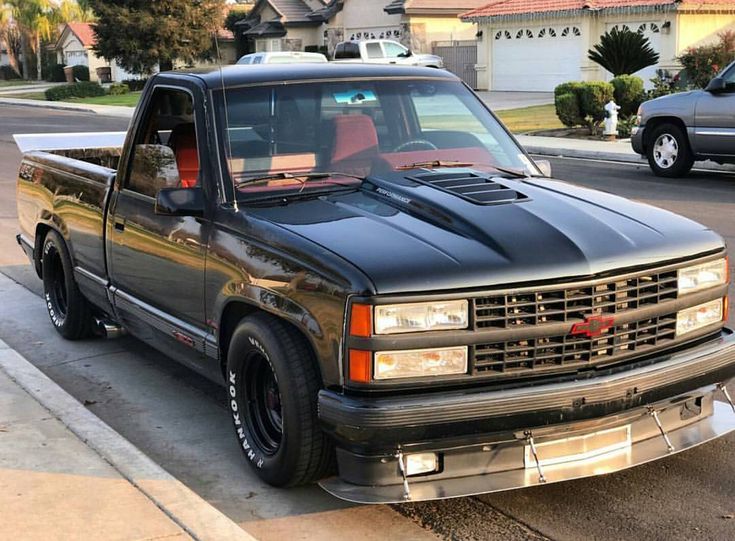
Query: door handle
[[119, 225]]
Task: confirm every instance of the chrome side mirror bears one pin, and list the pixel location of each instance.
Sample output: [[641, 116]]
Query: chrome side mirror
[[545, 167]]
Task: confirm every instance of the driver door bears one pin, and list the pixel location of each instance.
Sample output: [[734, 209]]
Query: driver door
[[157, 262], [715, 120]]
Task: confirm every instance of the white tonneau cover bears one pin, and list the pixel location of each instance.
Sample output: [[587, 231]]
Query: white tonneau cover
[[67, 141]]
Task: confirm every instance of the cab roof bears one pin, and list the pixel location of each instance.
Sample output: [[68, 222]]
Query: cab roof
[[238, 75]]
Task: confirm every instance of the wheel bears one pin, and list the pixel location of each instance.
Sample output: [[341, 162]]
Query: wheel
[[69, 311], [272, 385], [668, 153]]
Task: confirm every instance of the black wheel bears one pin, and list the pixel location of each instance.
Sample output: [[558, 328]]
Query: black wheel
[[272, 385], [668, 152], [68, 309]]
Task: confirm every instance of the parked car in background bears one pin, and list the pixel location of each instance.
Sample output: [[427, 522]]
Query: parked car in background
[[675, 131], [283, 57], [383, 51]]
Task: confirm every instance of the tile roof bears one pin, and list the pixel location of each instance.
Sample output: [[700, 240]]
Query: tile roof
[[499, 8], [292, 11], [84, 33]]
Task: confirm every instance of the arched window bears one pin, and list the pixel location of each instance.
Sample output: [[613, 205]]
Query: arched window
[[655, 28], [542, 33], [499, 34], [576, 31], [552, 32]]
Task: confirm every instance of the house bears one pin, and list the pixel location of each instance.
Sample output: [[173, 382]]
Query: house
[[534, 45], [74, 47], [297, 25]]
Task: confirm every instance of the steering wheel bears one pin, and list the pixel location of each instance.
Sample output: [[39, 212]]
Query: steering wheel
[[427, 145]]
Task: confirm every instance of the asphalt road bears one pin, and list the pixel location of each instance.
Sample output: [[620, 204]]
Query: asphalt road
[[179, 420]]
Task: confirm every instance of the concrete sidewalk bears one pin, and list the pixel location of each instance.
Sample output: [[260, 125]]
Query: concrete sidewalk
[[104, 110], [66, 475]]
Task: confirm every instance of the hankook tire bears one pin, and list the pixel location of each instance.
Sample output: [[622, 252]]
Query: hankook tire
[[272, 386], [69, 311]]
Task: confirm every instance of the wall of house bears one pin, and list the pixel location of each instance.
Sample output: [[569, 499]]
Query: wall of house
[[694, 30], [592, 27], [444, 29], [94, 63]]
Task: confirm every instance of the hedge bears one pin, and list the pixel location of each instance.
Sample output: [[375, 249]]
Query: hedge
[[582, 104], [84, 89], [117, 89], [56, 73], [629, 93], [80, 72]]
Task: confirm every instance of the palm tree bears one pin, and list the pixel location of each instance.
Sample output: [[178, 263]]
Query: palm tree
[[622, 52]]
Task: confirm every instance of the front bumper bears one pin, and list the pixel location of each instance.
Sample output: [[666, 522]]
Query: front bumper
[[481, 436], [636, 139]]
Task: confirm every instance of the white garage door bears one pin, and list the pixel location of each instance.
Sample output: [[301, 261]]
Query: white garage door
[[653, 32], [536, 58]]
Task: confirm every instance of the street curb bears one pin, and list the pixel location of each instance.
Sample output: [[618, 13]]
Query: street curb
[[615, 157], [105, 110], [182, 505]]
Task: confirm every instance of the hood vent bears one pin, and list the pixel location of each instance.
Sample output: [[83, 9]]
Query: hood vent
[[477, 188]]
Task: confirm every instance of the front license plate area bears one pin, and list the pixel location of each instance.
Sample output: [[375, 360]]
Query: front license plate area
[[578, 448]]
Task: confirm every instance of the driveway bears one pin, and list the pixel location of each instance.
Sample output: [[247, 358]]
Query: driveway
[[499, 101]]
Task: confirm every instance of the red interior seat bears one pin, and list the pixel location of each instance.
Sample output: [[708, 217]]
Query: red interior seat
[[355, 144], [184, 143]]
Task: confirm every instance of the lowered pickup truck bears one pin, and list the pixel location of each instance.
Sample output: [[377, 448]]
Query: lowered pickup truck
[[399, 304]]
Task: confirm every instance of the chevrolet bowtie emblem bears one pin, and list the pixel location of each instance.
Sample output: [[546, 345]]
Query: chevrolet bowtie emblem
[[593, 326]]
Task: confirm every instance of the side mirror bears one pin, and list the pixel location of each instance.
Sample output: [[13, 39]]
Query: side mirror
[[180, 202], [717, 85], [408, 53], [154, 168], [545, 167]]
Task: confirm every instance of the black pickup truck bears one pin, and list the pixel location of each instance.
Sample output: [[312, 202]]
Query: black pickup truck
[[399, 303]]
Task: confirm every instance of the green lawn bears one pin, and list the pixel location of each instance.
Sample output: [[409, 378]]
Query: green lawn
[[14, 82], [527, 119], [27, 96], [127, 100]]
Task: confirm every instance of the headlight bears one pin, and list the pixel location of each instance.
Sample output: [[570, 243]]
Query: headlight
[[698, 277], [698, 317], [420, 362], [422, 316]]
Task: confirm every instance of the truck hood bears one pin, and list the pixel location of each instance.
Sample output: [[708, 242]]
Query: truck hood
[[409, 236]]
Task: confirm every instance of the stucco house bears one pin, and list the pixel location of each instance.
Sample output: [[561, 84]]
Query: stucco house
[[74, 47], [534, 45], [298, 24]]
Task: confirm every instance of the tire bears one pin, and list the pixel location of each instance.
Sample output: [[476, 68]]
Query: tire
[[272, 385], [69, 311], [668, 152]]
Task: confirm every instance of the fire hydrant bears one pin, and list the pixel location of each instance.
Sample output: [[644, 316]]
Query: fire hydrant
[[611, 120]]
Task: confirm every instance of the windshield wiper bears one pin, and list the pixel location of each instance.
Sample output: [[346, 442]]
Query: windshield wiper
[[303, 178], [432, 164], [515, 173]]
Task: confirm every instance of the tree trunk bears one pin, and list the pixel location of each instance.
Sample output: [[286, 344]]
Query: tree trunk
[[39, 57], [25, 52]]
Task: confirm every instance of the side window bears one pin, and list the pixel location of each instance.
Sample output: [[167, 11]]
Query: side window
[[347, 50], [373, 50], [730, 78], [393, 50], [258, 59], [165, 151]]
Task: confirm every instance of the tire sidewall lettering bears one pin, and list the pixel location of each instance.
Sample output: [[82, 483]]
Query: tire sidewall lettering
[[249, 451]]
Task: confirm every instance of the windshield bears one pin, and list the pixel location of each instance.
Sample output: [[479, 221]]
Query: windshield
[[357, 128]]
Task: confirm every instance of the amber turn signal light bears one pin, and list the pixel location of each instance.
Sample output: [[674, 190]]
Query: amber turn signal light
[[360, 362], [361, 320]]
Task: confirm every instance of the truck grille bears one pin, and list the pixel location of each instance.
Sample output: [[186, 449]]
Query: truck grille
[[571, 304], [574, 352]]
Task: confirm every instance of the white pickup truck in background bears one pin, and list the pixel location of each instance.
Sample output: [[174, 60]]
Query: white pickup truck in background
[[383, 51]]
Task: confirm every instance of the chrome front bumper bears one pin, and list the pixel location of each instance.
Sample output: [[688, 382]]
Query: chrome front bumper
[[656, 431]]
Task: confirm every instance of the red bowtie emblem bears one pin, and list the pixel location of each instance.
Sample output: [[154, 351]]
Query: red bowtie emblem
[[593, 326]]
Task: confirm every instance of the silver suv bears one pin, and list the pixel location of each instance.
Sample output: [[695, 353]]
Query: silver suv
[[675, 131]]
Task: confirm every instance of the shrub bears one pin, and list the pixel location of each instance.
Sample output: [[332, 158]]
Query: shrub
[[593, 99], [56, 73], [135, 85], [7, 73], [118, 89], [622, 52], [705, 62], [629, 93], [80, 73], [82, 89], [567, 109]]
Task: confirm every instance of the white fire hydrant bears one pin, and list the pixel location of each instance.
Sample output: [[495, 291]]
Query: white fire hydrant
[[611, 121]]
